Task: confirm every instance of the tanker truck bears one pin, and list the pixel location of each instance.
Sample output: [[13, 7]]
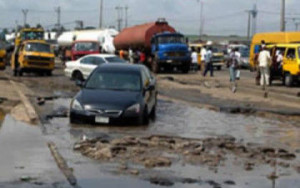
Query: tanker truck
[[164, 47]]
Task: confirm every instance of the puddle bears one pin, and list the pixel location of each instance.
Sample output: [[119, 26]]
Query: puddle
[[24, 152], [184, 121]]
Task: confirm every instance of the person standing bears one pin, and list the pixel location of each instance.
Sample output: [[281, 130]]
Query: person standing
[[264, 60], [233, 68], [208, 63], [130, 54], [203, 53]]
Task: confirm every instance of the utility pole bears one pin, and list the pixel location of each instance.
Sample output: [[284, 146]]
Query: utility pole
[[282, 16], [249, 24], [58, 11], [25, 12], [201, 19], [101, 14], [254, 15], [126, 16], [119, 15]]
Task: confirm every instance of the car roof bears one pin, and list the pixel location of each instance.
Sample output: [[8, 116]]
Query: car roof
[[120, 67], [295, 45], [101, 55]]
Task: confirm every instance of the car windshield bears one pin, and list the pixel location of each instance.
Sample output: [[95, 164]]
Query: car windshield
[[115, 60], [114, 81], [245, 52], [86, 46], [32, 35], [37, 47], [170, 39]]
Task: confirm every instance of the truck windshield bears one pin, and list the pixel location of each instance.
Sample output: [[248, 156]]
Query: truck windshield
[[170, 39], [37, 47], [32, 35], [86, 46]]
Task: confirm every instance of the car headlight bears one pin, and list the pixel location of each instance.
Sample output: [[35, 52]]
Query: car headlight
[[76, 105], [134, 108]]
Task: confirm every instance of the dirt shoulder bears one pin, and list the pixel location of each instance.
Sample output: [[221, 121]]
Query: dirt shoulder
[[215, 92]]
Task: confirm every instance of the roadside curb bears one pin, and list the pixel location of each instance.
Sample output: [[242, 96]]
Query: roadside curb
[[28, 106]]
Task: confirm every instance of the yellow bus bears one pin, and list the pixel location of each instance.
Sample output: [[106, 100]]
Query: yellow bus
[[2, 59], [271, 38], [290, 70]]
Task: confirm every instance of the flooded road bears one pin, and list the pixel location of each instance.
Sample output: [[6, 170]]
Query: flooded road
[[26, 160], [180, 120]]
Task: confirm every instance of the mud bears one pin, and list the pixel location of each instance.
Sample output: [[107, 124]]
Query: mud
[[162, 151]]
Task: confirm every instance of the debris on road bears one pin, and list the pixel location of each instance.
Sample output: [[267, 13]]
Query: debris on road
[[155, 151]]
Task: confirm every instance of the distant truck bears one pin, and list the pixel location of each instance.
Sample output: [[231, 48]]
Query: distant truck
[[163, 46], [83, 48]]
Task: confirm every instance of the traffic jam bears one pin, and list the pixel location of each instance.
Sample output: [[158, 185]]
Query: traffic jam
[[148, 106]]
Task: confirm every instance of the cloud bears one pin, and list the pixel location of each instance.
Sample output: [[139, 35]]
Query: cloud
[[221, 16]]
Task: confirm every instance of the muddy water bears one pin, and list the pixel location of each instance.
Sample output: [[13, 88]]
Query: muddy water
[[185, 121]]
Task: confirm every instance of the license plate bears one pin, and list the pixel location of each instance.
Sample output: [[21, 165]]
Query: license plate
[[100, 119], [169, 61]]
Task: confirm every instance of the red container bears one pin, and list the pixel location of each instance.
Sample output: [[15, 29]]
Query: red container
[[140, 36]]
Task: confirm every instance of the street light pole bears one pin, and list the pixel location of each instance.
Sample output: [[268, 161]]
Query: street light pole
[[282, 16], [25, 12]]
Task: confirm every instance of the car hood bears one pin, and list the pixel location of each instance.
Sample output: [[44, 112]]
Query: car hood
[[109, 99]]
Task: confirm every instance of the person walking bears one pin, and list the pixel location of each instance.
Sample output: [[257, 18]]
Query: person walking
[[208, 63], [194, 56], [233, 65], [264, 60]]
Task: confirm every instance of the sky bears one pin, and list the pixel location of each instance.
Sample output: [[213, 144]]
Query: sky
[[221, 17]]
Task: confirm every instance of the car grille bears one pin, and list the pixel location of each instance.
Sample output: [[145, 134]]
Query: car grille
[[38, 64], [108, 113], [176, 54], [217, 59], [37, 58]]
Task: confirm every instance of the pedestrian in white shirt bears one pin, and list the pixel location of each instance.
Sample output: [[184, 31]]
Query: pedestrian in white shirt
[[194, 56], [264, 60], [203, 53]]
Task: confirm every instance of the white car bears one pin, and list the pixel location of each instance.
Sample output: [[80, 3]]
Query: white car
[[83, 67]]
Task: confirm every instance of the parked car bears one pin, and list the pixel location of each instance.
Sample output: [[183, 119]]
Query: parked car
[[82, 68], [115, 93], [244, 61]]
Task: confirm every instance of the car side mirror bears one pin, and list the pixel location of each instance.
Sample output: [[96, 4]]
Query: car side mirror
[[79, 83]]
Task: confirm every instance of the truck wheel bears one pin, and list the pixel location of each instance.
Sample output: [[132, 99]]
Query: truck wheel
[[49, 73], [288, 80], [77, 76], [15, 72], [185, 69], [20, 72], [155, 67]]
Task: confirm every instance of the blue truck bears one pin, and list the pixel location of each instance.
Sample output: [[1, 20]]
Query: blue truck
[[163, 46]]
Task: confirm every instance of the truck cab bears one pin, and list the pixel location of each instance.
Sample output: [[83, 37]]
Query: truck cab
[[35, 56], [83, 48], [32, 52], [170, 50]]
